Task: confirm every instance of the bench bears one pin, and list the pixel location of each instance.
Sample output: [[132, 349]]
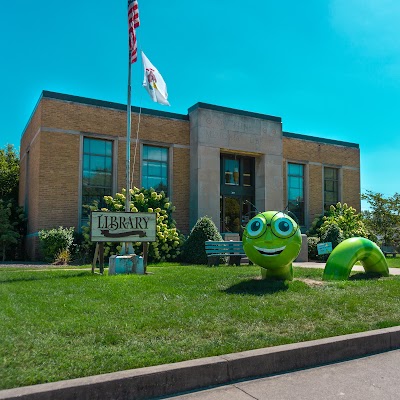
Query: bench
[[216, 250], [386, 250]]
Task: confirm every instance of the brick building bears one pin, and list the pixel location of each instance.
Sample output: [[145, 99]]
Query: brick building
[[209, 162]]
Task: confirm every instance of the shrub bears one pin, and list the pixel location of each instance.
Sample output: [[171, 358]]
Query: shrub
[[52, 241], [332, 233], [193, 250], [167, 246], [80, 253], [312, 247], [63, 257], [316, 224]]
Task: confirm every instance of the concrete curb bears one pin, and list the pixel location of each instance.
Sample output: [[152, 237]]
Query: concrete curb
[[163, 380]]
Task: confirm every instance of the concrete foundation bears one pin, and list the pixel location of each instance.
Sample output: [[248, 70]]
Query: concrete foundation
[[128, 264], [303, 255]]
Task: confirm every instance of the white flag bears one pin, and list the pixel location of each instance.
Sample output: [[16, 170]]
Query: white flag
[[154, 82]]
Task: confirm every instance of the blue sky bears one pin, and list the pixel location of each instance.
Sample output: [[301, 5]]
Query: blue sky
[[328, 68]]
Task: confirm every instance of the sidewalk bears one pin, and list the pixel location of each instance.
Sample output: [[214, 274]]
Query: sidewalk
[[374, 377], [309, 264], [321, 265]]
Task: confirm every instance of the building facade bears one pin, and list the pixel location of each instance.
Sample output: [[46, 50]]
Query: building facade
[[214, 161]]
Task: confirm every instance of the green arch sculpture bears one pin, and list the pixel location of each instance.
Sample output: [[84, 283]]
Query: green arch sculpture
[[347, 253]]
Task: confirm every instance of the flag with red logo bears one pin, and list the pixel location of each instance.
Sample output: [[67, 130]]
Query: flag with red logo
[[154, 82], [133, 22]]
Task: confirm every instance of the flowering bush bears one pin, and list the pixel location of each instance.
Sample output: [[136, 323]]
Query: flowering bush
[[168, 239], [349, 222], [52, 241]]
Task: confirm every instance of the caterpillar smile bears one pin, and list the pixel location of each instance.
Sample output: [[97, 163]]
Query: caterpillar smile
[[270, 252]]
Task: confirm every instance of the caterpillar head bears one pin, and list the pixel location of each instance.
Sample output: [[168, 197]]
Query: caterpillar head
[[272, 239]]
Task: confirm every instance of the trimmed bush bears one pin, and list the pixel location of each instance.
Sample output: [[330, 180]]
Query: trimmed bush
[[53, 241], [193, 249]]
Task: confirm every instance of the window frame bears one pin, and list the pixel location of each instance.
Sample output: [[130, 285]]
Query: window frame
[[168, 191], [338, 183], [114, 168], [302, 219]]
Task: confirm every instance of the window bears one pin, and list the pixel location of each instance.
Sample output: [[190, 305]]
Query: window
[[331, 187], [231, 171], [296, 191], [237, 171], [248, 168], [96, 173], [155, 168]]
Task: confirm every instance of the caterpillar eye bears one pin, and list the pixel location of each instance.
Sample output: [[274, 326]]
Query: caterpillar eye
[[283, 227], [256, 227]]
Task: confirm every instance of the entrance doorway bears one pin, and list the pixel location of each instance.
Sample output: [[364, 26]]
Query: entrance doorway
[[237, 192], [236, 211]]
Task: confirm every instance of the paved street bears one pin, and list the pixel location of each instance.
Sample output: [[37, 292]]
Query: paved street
[[371, 378]]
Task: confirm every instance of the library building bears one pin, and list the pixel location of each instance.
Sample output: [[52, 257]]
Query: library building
[[213, 161]]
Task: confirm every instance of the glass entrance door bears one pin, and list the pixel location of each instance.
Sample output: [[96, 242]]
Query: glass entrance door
[[231, 213], [237, 189], [236, 212]]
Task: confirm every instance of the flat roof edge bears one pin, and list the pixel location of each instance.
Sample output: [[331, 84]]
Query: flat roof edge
[[108, 104], [234, 111], [299, 136], [31, 116]]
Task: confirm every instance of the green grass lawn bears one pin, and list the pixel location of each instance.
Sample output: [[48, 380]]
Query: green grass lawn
[[63, 324], [393, 262]]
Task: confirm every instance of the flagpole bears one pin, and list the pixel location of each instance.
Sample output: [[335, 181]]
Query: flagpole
[[128, 140]]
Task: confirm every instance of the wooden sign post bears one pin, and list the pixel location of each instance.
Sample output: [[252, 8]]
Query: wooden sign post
[[98, 256]]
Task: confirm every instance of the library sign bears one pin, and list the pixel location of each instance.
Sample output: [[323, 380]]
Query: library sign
[[122, 227]]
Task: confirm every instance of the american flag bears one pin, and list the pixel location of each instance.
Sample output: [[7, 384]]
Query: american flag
[[134, 22]]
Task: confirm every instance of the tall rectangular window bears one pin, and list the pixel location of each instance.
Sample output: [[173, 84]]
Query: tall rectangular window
[[331, 187], [96, 173], [296, 191], [155, 168]]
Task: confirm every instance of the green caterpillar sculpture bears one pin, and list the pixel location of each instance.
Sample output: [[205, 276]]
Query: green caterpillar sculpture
[[272, 240]]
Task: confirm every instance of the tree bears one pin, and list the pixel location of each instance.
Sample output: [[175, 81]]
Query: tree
[[9, 173], [383, 218], [8, 233], [12, 219]]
